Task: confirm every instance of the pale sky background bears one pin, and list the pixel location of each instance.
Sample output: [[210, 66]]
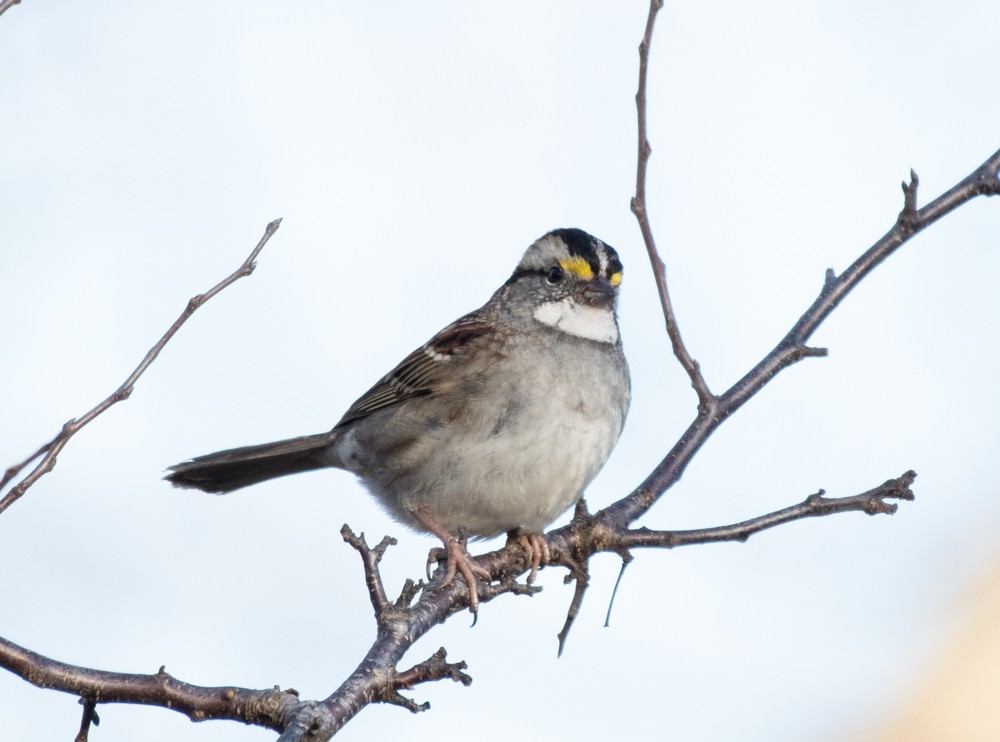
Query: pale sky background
[[414, 151]]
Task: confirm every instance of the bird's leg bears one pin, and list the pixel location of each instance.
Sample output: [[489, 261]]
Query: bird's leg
[[537, 548], [458, 558]]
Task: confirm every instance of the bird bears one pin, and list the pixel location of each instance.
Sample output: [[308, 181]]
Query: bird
[[496, 425]]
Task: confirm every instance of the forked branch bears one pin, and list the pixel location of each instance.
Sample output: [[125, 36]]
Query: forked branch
[[983, 181]]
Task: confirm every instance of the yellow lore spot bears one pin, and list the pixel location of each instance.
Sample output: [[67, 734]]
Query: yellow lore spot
[[616, 278], [578, 267]]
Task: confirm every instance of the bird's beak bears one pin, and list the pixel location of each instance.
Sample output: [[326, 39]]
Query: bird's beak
[[597, 292]]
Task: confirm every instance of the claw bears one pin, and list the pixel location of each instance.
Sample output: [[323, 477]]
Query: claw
[[458, 558], [537, 548], [459, 561]]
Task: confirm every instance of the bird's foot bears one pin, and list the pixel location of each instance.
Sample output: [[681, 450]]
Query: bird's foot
[[536, 546], [458, 559]]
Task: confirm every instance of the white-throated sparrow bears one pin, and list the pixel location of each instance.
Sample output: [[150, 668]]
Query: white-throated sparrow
[[497, 424]]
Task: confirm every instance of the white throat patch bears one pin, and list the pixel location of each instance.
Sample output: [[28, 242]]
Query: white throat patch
[[592, 323]]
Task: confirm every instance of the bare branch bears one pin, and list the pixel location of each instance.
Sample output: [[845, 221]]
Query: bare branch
[[371, 558], [15, 469], [266, 708], [433, 668], [421, 607], [638, 204], [909, 211], [575, 554], [51, 450], [399, 627], [7, 5], [872, 502], [983, 181], [582, 579], [410, 591], [89, 717]]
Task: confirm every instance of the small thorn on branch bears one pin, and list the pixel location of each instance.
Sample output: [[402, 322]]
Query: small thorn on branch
[[89, 717], [581, 513], [408, 593], [908, 215]]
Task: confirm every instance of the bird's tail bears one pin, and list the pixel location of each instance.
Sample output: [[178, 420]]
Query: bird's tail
[[225, 471]]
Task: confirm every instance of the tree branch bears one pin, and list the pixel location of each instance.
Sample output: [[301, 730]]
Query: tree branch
[[983, 181], [421, 607], [51, 450], [266, 708], [371, 558], [89, 717], [872, 502], [399, 626], [638, 204], [433, 668], [6, 5]]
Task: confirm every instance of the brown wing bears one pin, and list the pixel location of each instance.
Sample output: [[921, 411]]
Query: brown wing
[[429, 369]]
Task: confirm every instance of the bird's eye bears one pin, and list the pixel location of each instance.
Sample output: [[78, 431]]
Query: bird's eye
[[554, 276]]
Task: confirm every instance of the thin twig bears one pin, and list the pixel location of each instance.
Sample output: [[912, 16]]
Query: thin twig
[[626, 560], [435, 667], [582, 579], [51, 449], [89, 717], [15, 469], [983, 181], [638, 204], [7, 5], [371, 558], [575, 553], [872, 502]]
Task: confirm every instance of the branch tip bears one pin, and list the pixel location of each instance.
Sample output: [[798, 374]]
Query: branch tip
[[908, 216], [829, 280], [408, 593], [351, 538], [370, 559], [582, 583], [407, 703], [435, 667], [7, 5], [89, 717]]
